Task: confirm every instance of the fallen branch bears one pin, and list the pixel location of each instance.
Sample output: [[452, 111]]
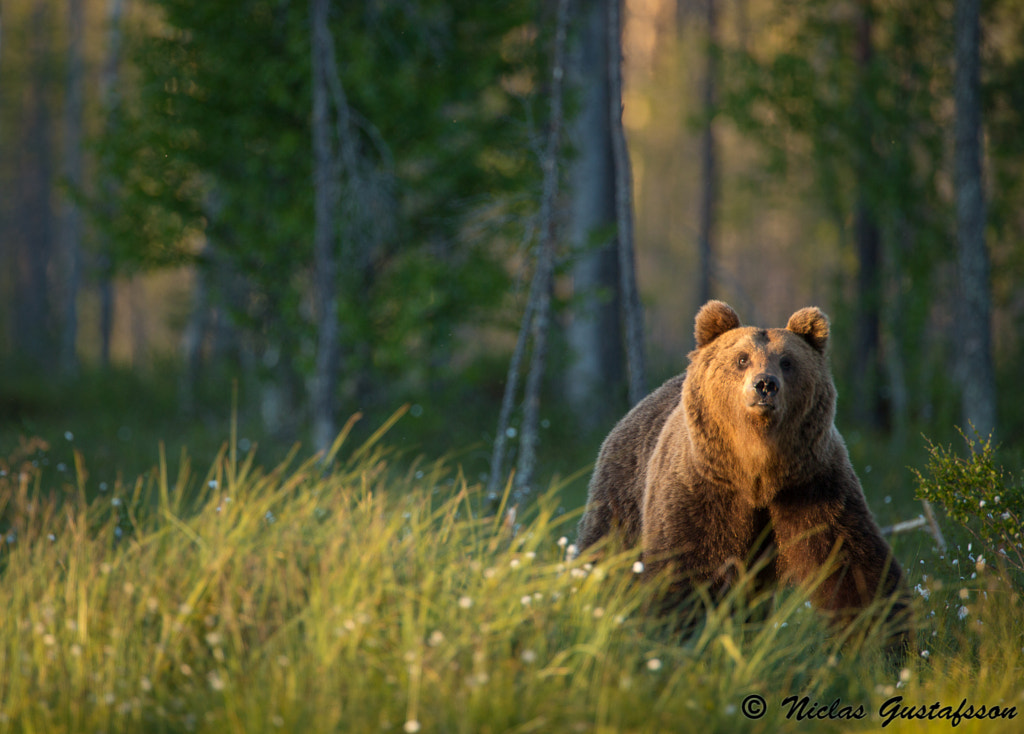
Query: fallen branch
[[927, 520]]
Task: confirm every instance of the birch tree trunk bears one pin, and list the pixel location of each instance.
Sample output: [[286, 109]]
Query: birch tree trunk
[[629, 293], [976, 369], [541, 321]]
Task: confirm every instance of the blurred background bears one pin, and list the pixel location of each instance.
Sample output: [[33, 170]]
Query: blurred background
[[292, 212]]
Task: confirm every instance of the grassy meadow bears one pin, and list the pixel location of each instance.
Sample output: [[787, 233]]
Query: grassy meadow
[[362, 593]]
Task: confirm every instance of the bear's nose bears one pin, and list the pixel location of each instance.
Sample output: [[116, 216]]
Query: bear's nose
[[766, 385]]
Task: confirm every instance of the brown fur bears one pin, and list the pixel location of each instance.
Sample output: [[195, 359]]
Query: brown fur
[[740, 455]]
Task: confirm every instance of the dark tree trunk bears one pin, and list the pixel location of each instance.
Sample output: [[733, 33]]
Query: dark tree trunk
[[106, 289], [870, 408], [104, 262], [196, 329], [71, 217], [33, 326], [976, 369], [326, 201]]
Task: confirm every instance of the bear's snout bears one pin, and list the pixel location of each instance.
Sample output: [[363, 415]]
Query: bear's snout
[[766, 385], [763, 390]]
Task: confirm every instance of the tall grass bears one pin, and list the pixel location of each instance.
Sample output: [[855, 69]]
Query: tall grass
[[350, 595]]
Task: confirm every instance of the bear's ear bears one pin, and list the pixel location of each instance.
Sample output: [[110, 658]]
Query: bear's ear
[[812, 324], [714, 319]]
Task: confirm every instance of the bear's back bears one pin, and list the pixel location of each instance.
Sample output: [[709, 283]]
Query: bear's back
[[615, 494]]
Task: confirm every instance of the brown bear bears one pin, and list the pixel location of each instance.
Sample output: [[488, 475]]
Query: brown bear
[[738, 460]]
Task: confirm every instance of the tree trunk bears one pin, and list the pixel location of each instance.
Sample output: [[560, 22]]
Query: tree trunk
[[109, 97], [529, 437], [870, 406], [71, 217], [326, 202], [33, 326], [975, 349], [629, 294], [196, 328], [897, 340], [709, 173], [593, 331], [868, 368], [495, 476], [138, 323]]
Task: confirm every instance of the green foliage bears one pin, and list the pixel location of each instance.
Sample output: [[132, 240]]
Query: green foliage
[[211, 153], [977, 494], [868, 127], [348, 594], [1003, 100]]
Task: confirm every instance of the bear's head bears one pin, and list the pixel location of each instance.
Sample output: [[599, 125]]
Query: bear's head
[[759, 391]]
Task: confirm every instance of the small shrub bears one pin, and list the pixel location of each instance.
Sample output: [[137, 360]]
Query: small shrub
[[977, 494]]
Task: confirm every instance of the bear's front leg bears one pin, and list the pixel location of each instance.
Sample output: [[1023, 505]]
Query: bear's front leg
[[835, 545], [704, 534]]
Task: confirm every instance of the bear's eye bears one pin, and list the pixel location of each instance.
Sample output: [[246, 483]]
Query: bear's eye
[[786, 363], [742, 361]]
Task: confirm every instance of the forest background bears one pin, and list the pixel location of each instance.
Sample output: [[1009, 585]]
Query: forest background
[[219, 208]]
